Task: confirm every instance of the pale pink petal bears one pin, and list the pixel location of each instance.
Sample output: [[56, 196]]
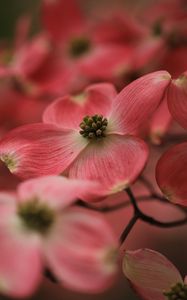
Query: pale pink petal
[[40, 149], [136, 102], [82, 251], [160, 122], [61, 18], [115, 161], [20, 260], [171, 174], [57, 191], [177, 99], [150, 273], [23, 27], [68, 112]]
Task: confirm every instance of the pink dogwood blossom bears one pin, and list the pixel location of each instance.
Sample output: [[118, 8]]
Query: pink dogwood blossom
[[171, 174], [89, 136], [40, 229], [153, 276]]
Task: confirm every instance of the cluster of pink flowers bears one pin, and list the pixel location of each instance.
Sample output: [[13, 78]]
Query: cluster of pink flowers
[[87, 92]]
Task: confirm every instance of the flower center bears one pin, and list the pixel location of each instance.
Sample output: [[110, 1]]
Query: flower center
[[79, 46], [93, 127], [36, 216], [177, 292]]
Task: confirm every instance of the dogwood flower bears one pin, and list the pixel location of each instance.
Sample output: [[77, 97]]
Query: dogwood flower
[[89, 136], [39, 229], [153, 276]]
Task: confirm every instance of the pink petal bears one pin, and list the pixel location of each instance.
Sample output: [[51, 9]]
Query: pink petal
[[115, 162], [150, 273], [20, 261], [82, 251], [138, 101], [57, 191], [171, 173], [177, 99], [68, 112], [160, 122], [40, 149], [31, 56], [61, 18], [114, 59]]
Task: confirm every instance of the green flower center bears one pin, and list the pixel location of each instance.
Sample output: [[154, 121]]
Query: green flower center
[[79, 46], [36, 216], [93, 127], [177, 292]]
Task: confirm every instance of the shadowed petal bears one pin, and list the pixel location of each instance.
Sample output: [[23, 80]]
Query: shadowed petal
[[171, 174], [150, 273], [40, 149]]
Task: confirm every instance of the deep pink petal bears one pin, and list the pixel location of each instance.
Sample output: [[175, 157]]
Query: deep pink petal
[[171, 174], [177, 99], [115, 162], [138, 101], [150, 273], [160, 122], [82, 251], [40, 149], [68, 112], [20, 260], [57, 191], [61, 18]]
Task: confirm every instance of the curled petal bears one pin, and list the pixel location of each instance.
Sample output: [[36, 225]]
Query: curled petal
[[57, 191], [171, 172], [137, 102], [177, 99], [68, 112], [20, 262], [40, 149], [82, 251], [115, 162], [150, 273]]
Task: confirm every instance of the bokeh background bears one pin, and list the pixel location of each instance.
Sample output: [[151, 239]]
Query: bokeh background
[[170, 242]]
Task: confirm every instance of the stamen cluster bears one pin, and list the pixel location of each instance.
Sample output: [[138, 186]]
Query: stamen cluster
[[36, 216], [79, 46], [93, 127], [177, 292]]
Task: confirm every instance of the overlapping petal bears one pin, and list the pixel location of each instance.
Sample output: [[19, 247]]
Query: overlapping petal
[[171, 174], [136, 102], [150, 273], [115, 162], [68, 112], [82, 252], [40, 149], [177, 99]]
